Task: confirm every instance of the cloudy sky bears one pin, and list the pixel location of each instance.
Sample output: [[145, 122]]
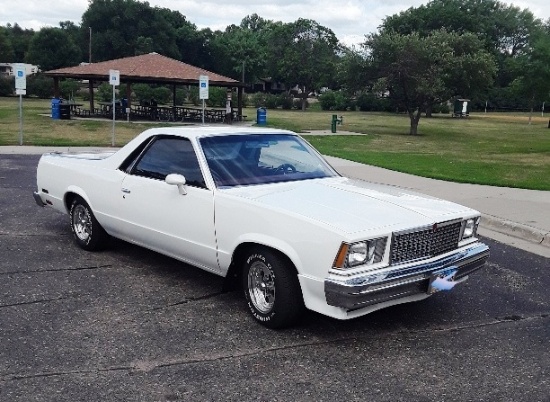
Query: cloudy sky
[[349, 19]]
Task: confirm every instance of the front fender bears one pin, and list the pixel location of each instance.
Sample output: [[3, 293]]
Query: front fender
[[263, 240]]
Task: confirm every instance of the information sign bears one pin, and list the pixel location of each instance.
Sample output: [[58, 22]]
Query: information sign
[[203, 87]]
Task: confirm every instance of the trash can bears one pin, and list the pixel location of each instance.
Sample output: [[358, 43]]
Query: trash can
[[261, 116], [64, 111], [55, 108]]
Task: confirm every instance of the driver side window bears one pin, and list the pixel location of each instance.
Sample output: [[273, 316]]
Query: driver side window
[[168, 155]]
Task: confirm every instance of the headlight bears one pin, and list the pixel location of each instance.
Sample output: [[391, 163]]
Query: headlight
[[469, 227], [366, 252]]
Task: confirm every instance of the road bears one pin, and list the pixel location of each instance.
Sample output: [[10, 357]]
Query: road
[[128, 324]]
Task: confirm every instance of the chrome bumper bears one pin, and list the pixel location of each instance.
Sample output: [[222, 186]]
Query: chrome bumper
[[391, 284], [38, 199]]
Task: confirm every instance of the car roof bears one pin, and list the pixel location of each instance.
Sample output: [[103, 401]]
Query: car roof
[[208, 131]]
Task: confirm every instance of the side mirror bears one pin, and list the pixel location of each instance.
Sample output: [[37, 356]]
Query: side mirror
[[175, 179]]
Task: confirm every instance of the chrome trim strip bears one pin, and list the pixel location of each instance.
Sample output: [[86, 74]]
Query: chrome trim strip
[[379, 286]]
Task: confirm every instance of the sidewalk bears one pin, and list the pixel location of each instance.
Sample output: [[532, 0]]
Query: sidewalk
[[517, 217]]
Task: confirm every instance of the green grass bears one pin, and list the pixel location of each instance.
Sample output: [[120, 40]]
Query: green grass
[[496, 148]]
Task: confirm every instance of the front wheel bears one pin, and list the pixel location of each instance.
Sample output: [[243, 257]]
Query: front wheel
[[87, 231], [271, 288]]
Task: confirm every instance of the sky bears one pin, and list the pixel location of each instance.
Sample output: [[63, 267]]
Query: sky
[[350, 20]]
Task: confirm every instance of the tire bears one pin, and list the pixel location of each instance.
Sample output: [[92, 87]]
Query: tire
[[271, 288], [87, 231]]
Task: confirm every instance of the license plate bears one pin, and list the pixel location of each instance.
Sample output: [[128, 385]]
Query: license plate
[[442, 280]]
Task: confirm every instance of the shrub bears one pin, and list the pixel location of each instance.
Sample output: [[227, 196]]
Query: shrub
[[327, 100], [162, 95], [7, 85], [336, 100], [259, 99], [143, 92], [68, 88], [272, 101], [441, 108], [39, 85], [286, 101], [105, 92], [217, 97], [181, 96]]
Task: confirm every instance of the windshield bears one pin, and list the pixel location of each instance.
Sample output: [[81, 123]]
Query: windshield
[[238, 160]]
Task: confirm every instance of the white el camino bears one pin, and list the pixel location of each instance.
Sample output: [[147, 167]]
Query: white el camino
[[262, 208]]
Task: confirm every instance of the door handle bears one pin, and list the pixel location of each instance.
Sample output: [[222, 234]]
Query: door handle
[[125, 190]]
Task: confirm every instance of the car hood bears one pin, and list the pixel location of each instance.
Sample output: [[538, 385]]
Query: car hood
[[353, 205]]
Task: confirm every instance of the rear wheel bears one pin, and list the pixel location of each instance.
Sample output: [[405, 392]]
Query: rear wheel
[[271, 288], [87, 231]]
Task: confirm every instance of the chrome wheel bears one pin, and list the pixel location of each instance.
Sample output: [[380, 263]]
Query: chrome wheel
[[82, 223], [261, 286]]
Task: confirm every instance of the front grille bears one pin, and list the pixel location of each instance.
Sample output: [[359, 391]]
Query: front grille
[[425, 243]]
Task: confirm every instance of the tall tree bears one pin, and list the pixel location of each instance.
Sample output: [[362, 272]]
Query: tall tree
[[123, 28], [20, 40], [533, 67], [244, 48], [303, 53], [7, 55], [419, 72], [52, 48], [505, 30]]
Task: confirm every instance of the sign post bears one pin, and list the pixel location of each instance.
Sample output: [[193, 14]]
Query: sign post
[[20, 89], [203, 91], [114, 80]]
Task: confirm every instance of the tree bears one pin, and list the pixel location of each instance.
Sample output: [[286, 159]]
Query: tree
[[52, 48], [243, 49], [20, 40], [7, 55], [419, 72], [353, 71], [123, 28], [533, 79], [303, 53], [505, 30]]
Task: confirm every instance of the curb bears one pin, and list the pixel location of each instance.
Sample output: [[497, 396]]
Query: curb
[[515, 229]]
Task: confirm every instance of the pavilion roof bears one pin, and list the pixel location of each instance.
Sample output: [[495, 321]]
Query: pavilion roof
[[152, 67]]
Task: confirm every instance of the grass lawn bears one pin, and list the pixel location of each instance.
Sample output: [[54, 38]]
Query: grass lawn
[[494, 148]]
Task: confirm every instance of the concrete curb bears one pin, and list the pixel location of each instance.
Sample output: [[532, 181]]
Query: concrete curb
[[515, 229]]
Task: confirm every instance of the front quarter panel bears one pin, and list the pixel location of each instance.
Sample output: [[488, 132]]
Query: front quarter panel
[[311, 246]]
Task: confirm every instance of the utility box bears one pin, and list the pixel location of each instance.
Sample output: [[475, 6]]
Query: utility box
[[461, 108]]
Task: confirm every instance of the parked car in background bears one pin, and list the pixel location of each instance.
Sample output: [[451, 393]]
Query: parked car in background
[[262, 206]]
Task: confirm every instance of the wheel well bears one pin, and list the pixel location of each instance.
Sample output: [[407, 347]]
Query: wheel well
[[234, 273], [69, 198]]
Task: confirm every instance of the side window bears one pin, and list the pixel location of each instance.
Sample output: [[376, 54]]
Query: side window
[[168, 155]]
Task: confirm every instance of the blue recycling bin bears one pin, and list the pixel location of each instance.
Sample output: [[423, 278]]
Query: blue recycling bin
[[261, 116], [56, 113]]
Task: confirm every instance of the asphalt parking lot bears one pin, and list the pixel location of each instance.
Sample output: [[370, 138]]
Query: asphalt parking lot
[[128, 324]]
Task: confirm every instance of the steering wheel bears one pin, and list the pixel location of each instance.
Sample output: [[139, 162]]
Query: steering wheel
[[286, 168]]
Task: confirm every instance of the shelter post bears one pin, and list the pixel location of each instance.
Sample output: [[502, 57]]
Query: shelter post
[[174, 95], [56, 87], [128, 100], [91, 91], [240, 103]]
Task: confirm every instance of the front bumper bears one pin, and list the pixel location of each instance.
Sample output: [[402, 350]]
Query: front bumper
[[394, 283]]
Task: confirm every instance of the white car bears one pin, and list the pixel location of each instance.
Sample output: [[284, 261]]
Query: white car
[[263, 207]]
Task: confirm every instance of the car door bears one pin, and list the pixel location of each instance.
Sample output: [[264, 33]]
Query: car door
[[157, 216]]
